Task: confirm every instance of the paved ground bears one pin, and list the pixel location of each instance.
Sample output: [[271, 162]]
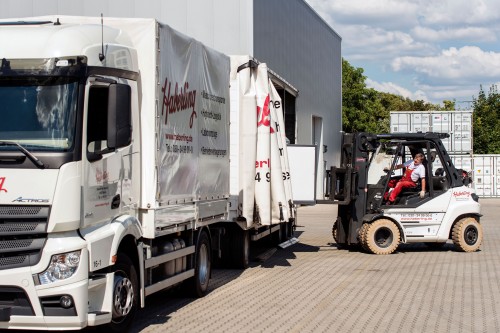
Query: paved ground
[[314, 287]]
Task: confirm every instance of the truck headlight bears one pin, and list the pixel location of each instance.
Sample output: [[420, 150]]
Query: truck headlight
[[62, 266]]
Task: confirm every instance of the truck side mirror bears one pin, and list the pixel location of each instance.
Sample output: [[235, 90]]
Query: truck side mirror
[[119, 116]]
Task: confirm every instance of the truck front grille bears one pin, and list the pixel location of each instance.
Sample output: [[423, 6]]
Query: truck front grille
[[17, 300], [23, 232]]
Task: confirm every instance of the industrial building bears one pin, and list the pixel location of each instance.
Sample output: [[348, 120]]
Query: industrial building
[[302, 51]]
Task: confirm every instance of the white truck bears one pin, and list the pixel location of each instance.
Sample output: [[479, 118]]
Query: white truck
[[126, 166]]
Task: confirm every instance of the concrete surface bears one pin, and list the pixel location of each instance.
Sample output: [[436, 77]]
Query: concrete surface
[[314, 287]]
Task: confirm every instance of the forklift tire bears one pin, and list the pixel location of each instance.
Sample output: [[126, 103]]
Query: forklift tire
[[381, 237], [362, 236], [334, 232], [467, 234]]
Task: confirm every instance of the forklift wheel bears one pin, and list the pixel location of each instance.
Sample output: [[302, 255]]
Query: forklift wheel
[[334, 232], [362, 236], [381, 237], [467, 234]]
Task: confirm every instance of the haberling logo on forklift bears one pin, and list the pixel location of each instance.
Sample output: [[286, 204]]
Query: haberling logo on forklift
[[181, 100], [462, 195]]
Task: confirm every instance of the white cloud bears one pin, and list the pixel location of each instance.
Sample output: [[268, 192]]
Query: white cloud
[[476, 34], [367, 43], [461, 65], [421, 42], [386, 13], [460, 12], [393, 88]]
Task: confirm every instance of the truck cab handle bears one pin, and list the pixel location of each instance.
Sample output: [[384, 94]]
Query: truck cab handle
[[115, 203]]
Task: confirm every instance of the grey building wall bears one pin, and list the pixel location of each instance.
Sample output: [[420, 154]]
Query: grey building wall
[[225, 25], [297, 44]]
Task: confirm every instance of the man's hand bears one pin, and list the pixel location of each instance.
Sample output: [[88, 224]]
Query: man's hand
[[422, 194]]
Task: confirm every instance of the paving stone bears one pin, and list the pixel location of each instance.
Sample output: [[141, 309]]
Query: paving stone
[[312, 286]]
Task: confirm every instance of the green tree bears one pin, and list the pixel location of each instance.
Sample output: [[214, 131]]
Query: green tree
[[368, 110], [362, 110], [486, 122]]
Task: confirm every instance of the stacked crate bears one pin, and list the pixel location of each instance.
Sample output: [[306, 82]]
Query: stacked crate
[[456, 123], [484, 168]]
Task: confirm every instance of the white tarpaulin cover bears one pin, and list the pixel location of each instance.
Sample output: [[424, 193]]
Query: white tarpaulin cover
[[193, 110], [259, 164]]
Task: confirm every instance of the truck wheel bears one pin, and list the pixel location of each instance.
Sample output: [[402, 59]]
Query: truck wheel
[[467, 234], [125, 294], [240, 248], [198, 284], [382, 237]]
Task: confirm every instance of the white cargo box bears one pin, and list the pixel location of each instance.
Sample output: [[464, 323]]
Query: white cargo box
[[458, 124], [487, 175]]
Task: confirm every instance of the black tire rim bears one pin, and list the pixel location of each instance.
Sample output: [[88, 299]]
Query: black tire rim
[[471, 235], [383, 237]]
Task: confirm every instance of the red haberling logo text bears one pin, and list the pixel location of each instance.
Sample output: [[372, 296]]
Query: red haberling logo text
[[182, 99], [2, 181], [461, 194], [264, 115]]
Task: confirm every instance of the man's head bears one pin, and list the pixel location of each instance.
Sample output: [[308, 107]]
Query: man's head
[[419, 157]]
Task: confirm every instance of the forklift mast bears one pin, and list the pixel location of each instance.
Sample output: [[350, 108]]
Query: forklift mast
[[348, 183]]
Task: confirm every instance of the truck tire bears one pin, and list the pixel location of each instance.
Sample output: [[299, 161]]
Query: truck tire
[[125, 294], [240, 248], [467, 234], [198, 284], [381, 237]]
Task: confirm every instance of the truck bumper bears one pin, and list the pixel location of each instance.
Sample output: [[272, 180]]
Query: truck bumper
[[39, 319], [25, 305]]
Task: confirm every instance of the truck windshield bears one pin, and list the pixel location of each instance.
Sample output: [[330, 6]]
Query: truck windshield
[[38, 112]]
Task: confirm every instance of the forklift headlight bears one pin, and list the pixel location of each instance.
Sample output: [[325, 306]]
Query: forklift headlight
[[62, 266]]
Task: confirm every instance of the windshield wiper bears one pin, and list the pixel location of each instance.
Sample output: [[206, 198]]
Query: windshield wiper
[[29, 155]]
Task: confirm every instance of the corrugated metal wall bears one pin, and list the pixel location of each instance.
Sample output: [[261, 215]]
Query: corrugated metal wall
[[301, 47], [225, 25]]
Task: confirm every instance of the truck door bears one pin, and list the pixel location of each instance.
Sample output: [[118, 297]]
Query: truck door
[[108, 171]]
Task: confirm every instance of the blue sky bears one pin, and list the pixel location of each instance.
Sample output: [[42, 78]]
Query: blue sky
[[432, 50]]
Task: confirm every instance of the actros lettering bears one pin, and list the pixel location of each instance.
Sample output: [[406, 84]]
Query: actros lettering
[[181, 100], [21, 199]]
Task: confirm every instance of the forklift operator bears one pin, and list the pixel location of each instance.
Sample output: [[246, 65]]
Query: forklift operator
[[415, 170]]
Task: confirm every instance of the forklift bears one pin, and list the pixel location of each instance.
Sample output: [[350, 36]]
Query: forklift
[[449, 209]]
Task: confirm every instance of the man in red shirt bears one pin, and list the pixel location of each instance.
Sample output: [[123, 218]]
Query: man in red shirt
[[415, 170]]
